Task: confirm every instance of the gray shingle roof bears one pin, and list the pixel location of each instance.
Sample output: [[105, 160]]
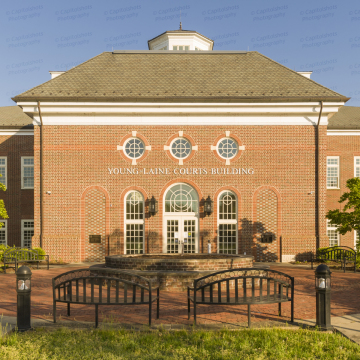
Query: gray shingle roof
[[348, 117], [13, 117], [181, 76]]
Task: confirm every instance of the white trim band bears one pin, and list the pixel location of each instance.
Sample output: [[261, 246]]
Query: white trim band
[[16, 132]]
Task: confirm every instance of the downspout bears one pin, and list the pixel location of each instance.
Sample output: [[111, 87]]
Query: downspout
[[317, 182], [41, 177]]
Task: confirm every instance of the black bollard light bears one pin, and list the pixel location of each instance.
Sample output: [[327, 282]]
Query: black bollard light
[[323, 292], [23, 288]]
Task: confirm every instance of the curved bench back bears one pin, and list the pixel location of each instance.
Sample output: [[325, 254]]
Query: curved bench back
[[96, 287], [21, 254], [337, 253], [260, 285]]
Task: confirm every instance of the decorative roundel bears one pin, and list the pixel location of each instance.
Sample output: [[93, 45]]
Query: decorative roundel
[[180, 148], [134, 148], [227, 148]]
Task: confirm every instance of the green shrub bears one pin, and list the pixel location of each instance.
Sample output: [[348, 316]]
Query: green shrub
[[41, 252], [21, 256], [2, 249]]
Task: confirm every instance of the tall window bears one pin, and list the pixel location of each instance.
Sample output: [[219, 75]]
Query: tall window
[[332, 180], [227, 223], [3, 170], [3, 233], [27, 232], [181, 47], [27, 172], [334, 236], [134, 223], [357, 166]]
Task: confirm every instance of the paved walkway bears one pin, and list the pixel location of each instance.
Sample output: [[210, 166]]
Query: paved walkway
[[173, 307]]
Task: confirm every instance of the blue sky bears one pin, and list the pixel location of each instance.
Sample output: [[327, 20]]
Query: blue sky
[[38, 36]]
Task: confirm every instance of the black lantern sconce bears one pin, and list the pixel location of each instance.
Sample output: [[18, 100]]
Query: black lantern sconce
[[323, 291], [23, 288], [153, 206], [208, 206]]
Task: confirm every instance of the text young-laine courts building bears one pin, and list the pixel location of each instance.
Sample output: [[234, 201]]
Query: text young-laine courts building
[[169, 149]]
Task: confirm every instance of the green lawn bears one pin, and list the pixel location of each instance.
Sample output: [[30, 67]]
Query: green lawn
[[226, 344]]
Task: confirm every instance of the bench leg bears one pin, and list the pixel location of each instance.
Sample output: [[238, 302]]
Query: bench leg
[[158, 304], [68, 309], [37, 265], [279, 309], [188, 293], [48, 263], [54, 311], [96, 316], [150, 308], [195, 311], [249, 315], [4, 267]]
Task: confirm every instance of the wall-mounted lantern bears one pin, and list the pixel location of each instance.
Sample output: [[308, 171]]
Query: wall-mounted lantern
[[323, 291], [208, 206], [153, 206], [23, 288]]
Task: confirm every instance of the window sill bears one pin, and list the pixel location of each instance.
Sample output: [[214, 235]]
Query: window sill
[[27, 188], [333, 188]]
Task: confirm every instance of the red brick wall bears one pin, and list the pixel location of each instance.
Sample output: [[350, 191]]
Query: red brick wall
[[19, 203], [77, 157], [346, 147]]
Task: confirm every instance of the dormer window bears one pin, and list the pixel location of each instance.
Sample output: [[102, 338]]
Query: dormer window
[[197, 49], [182, 47]]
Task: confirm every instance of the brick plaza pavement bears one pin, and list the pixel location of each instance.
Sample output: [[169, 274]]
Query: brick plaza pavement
[[173, 305]]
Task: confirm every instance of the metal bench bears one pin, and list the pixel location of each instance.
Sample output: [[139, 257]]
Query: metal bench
[[23, 255], [342, 254], [246, 286], [94, 287]]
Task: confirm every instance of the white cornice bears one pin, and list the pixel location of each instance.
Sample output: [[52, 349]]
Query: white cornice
[[343, 132], [16, 132]]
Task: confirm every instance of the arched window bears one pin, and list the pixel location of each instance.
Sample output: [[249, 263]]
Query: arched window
[[134, 223], [227, 223], [181, 198]]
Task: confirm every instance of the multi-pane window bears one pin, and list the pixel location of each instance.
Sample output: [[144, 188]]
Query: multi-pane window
[[332, 180], [134, 223], [227, 148], [3, 233], [27, 232], [227, 223], [357, 166], [3, 170], [181, 198], [334, 236], [27, 172], [181, 47], [180, 148], [134, 148]]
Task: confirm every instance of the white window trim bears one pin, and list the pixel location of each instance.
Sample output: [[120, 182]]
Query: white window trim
[[227, 221], [6, 230], [22, 230], [22, 171], [173, 155], [355, 166], [338, 173], [6, 173], [132, 221], [332, 227], [217, 147]]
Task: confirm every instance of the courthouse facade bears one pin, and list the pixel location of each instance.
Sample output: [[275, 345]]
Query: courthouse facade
[[176, 147]]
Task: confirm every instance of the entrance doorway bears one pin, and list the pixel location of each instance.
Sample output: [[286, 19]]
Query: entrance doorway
[[181, 223]]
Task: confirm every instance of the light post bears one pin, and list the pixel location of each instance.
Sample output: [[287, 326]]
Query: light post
[[23, 289], [323, 292]]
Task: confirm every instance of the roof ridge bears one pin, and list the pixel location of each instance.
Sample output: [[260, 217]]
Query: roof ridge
[[65, 72], [295, 72]]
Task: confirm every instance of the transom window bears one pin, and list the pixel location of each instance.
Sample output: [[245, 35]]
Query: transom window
[[332, 180], [227, 148], [180, 148], [27, 172], [134, 223], [181, 198], [27, 232], [134, 148], [227, 223]]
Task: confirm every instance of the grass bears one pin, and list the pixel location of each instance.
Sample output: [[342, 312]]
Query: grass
[[123, 344]]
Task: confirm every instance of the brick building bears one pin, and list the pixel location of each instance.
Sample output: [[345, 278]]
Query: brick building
[[174, 127]]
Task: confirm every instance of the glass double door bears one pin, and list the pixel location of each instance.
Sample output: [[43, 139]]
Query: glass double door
[[181, 235]]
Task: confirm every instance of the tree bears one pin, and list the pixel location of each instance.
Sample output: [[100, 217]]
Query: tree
[[3, 212], [349, 218]]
